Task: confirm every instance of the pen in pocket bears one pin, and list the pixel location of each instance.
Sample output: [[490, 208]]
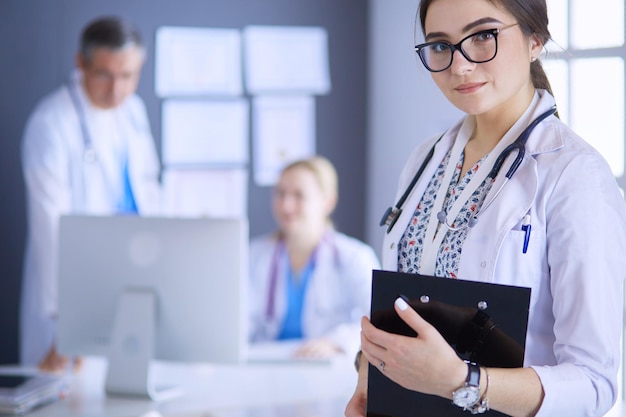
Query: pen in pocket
[[526, 227]]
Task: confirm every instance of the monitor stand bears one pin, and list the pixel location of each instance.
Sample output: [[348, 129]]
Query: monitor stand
[[132, 348]]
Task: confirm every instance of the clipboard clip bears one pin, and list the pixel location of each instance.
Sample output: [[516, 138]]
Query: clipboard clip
[[425, 299]]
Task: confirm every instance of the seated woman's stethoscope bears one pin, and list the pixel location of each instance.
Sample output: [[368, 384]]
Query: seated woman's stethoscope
[[391, 215]]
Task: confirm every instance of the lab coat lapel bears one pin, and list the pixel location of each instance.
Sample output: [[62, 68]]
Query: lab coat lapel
[[390, 254], [508, 209], [515, 199]]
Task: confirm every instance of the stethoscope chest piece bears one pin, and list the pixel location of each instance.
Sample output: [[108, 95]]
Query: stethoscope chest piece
[[390, 217]]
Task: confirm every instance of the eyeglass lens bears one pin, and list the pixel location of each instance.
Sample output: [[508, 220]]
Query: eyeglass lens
[[479, 47]]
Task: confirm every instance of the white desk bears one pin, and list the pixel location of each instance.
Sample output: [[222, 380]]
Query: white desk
[[251, 390], [255, 390]]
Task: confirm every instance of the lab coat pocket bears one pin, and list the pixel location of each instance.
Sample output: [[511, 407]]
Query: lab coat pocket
[[520, 258]]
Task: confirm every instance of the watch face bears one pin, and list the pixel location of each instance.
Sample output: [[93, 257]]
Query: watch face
[[466, 396]]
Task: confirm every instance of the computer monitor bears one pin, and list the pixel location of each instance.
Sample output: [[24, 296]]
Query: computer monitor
[[136, 288]]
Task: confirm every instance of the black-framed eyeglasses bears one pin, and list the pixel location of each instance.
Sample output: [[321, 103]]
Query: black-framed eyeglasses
[[478, 48]]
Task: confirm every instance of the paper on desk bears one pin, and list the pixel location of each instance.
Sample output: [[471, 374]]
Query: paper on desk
[[283, 131], [205, 131], [205, 192], [286, 59], [22, 392], [195, 61]]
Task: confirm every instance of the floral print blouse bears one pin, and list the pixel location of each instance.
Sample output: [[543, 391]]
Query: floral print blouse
[[449, 254]]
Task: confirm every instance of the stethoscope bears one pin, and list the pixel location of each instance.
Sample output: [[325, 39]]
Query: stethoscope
[[391, 215], [89, 152]]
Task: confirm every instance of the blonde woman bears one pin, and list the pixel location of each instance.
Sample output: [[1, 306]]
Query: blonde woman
[[308, 281]]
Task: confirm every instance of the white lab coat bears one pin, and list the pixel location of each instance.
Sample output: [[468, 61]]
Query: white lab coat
[[575, 264], [60, 181], [337, 297]]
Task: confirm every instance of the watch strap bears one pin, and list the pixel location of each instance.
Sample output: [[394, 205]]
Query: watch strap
[[473, 375], [482, 405], [357, 360], [468, 395]]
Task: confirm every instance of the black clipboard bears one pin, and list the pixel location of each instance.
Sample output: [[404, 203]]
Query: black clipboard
[[507, 306]]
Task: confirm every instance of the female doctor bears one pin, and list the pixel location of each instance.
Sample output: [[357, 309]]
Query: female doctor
[[557, 226], [309, 282], [87, 149]]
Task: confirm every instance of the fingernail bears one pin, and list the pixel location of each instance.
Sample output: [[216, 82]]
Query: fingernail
[[402, 305]]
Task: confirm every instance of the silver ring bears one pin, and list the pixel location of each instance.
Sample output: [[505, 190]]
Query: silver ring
[[382, 366]]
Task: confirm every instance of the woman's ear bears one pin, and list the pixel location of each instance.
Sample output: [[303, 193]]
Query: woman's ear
[[535, 46]]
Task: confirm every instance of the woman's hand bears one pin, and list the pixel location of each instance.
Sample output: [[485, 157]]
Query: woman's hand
[[447, 318], [424, 363], [317, 349]]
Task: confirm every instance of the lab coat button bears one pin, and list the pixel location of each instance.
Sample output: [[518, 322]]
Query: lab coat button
[[483, 264], [393, 245]]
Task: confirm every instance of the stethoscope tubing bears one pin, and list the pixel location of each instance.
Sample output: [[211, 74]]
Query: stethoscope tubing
[[391, 215], [397, 209], [520, 145], [89, 153]]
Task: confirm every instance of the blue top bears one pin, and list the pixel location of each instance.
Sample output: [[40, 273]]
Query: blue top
[[127, 205], [295, 292]]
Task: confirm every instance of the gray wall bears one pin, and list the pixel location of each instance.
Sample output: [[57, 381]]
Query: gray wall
[[405, 105], [39, 39]]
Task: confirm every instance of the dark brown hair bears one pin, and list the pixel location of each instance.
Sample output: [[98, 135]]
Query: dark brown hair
[[532, 16]]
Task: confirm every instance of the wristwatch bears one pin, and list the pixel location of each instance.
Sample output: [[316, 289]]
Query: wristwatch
[[469, 394], [357, 360]]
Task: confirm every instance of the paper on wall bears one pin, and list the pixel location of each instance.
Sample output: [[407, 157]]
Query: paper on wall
[[205, 132], [197, 61], [283, 131], [286, 59], [205, 192]]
